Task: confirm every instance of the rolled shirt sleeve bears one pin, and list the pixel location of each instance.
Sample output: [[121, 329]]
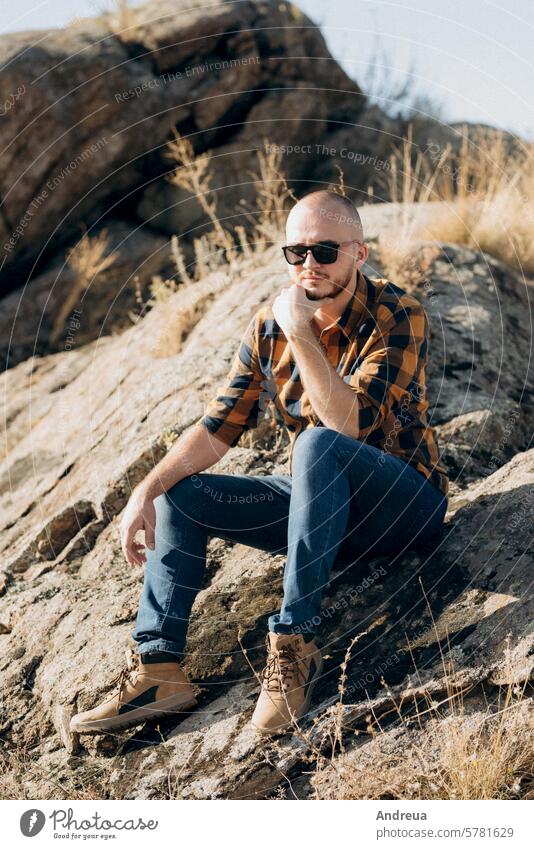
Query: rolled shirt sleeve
[[389, 371], [237, 407]]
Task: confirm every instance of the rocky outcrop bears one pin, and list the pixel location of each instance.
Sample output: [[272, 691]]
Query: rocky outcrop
[[97, 104], [481, 377], [84, 426], [107, 303]]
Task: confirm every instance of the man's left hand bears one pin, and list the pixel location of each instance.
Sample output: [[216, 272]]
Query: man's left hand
[[293, 310]]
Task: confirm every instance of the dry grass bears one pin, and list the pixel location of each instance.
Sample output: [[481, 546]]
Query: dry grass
[[455, 748], [192, 174], [447, 750], [471, 186], [125, 23], [218, 248], [485, 192], [479, 196], [490, 756], [273, 197], [87, 259], [21, 774], [468, 755]]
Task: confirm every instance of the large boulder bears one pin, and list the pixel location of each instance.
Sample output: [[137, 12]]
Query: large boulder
[[96, 104], [480, 378]]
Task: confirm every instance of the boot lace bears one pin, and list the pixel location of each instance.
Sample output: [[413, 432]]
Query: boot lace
[[130, 673], [282, 668], [121, 679]]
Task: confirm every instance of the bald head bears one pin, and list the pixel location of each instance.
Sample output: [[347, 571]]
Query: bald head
[[324, 215]]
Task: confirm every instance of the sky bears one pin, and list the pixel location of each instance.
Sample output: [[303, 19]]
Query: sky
[[471, 58]]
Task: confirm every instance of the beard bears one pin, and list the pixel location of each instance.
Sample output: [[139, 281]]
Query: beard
[[327, 287]]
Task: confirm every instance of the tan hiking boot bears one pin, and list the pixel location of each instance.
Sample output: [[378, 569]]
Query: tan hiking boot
[[288, 679], [151, 691]]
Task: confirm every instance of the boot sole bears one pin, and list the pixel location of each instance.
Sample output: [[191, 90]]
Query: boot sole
[[164, 707], [281, 729]]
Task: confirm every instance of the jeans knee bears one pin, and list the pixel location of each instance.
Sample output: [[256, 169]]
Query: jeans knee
[[315, 444], [178, 497]]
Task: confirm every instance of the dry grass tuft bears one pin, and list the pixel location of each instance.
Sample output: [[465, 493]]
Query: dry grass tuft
[[465, 755], [218, 249], [273, 197], [490, 756], [192, 174], [87, 259], [125, 23], [20, 774], [484, 191]]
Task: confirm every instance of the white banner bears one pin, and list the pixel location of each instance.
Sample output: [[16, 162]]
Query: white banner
[[142, 823]]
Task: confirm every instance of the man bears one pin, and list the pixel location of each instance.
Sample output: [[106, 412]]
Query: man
[[343, 358]]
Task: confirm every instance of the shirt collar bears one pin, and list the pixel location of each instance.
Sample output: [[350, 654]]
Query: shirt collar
[[356, 308]]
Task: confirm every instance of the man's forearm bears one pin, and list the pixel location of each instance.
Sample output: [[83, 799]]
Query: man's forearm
[[194, 451], [335, 403]]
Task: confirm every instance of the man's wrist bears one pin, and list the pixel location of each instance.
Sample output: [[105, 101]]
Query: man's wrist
[[147, 490], [301, 333]]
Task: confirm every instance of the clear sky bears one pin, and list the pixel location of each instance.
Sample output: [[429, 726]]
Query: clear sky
[[474, 57]]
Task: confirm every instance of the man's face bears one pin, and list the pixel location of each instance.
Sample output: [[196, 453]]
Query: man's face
[[308, 224]]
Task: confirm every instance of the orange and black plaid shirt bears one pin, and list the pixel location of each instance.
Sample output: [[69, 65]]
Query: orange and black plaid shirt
[[379, 346]]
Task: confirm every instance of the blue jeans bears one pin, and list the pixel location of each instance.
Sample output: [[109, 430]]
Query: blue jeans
[[343, 496]]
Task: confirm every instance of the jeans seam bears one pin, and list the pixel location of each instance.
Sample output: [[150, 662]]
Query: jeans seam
[[168, 601], [321, 589], [308, 603]]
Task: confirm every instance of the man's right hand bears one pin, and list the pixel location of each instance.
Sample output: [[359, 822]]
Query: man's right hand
[[194, 451], [139, 515]]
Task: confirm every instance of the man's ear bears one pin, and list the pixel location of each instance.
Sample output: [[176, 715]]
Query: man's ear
[[365, 251]]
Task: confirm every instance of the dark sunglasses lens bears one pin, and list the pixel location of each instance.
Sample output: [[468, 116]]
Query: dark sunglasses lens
[[325, 254], [293, 255]]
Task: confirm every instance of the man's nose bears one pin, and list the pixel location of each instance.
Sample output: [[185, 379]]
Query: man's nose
[[310, 261]]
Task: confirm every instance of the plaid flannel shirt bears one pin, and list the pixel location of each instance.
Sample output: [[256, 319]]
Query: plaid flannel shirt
[[379, 346]]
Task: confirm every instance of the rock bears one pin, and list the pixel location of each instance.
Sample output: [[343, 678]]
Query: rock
[[109, 102], [61, 718], [28, 313], [478, 379]]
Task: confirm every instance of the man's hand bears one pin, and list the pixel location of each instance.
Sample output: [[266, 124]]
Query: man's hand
[[293, 310], [139, 515]]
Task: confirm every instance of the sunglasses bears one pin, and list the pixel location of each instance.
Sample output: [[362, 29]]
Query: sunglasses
[[324, 253]]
